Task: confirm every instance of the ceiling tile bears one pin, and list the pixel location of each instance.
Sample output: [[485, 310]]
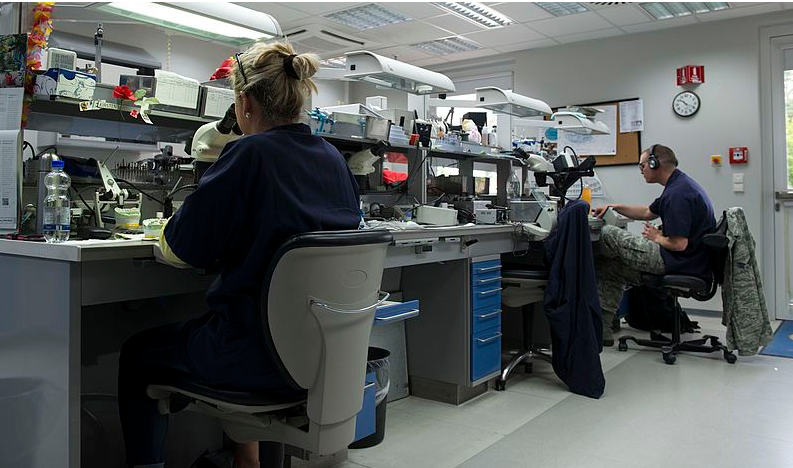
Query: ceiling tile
[[588, 35], [527, 45], [429, 61], [403, 53], [664, 24], [745, 11], [577, 23], [471, 55], [285, 16], [320, 8], [455, 24], [416, 10], [405, 33], [625, 14], [522, 11], [506, 35]]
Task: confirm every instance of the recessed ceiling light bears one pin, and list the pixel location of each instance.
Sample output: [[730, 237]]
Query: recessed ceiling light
[[367, 16], [449, 45], [334, 62], [476, 13], [666, 10], [562, 8]]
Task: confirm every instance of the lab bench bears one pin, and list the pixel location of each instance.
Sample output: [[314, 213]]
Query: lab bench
[[50, 293]]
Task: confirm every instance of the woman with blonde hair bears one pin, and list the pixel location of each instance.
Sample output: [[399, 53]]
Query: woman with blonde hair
[[276, 181]]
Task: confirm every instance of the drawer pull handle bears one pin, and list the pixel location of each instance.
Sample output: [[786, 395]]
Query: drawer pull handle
[[489, 280], [369, 385], [491, 314], [391, 318], [377, 304], [491, 291], [488, 340], [486, 269]]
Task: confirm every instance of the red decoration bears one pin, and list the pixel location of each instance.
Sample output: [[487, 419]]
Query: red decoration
[[223, 70], [123, 92], [37, 42]]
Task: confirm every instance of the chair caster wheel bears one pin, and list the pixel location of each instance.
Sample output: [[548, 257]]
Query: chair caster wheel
[[501, 385], [730, 358], [622, 346], [669, 358]]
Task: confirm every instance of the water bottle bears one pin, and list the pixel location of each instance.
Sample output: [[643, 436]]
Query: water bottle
[[56, 205]]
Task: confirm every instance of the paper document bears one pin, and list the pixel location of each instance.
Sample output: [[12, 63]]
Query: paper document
[[218, 101], [176, 90], [11, 108], [10, 178], [632, 116]]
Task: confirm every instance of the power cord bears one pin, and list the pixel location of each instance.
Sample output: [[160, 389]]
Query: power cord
[[141, 191]]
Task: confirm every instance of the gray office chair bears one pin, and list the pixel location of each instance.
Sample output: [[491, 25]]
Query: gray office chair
[[318, 304], [523, 288]]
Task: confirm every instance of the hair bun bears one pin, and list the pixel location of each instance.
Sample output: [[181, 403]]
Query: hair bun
[[305, 65]]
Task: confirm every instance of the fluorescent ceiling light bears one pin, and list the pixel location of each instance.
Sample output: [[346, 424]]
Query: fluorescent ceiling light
[[367, 16], [446, 46], [476, 13], [666, 10], [334, 62], [562, 8], [219, 21], [389, 73]]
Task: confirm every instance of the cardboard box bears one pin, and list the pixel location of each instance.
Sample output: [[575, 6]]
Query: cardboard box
[[66, 83]]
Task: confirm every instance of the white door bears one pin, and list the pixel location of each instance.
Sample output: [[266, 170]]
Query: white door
[[778, 172]]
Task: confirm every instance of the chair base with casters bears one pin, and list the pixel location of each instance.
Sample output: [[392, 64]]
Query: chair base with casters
[[678, 286], [318, 304], [524, 289]]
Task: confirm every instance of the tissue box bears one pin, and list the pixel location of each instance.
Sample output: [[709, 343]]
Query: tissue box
[[67, 83]]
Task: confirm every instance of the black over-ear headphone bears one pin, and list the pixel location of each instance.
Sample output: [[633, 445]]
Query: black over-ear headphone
[[652, 161]]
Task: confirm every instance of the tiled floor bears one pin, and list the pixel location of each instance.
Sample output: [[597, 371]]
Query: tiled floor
[[700, 412]]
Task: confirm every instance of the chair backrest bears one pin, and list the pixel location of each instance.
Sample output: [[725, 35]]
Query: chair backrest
[[716, 243], [318, 310]]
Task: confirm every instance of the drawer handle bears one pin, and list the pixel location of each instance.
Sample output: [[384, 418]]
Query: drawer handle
[[377, 304], [369, 385], [488, 340], [491, 314], [491, 291], [391, 318], [486, 269], [489, 280]]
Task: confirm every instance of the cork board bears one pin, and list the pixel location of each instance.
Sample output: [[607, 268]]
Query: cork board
[[628, 144]]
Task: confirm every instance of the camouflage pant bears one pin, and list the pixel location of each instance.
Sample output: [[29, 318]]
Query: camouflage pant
[[623, 258]]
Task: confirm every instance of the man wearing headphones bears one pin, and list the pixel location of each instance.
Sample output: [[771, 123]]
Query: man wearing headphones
[[686, 215]]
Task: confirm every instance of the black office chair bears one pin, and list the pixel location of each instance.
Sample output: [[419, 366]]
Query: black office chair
[[690, 287], [318, 303]]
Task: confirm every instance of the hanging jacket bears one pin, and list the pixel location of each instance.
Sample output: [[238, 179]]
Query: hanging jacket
[[572, 305], [745, 313]]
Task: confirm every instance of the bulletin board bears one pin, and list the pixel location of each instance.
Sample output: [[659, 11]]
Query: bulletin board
[[628, 147]]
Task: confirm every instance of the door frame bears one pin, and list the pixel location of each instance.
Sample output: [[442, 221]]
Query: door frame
[[771, 68]]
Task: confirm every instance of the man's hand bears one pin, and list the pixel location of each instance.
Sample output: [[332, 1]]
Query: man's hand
[[601, 210], [652, 233]]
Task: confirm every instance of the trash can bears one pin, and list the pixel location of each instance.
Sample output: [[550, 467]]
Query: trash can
[[377, 363]]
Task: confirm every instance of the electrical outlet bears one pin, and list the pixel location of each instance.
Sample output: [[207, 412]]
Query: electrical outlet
[[737, 187], [737, 178]]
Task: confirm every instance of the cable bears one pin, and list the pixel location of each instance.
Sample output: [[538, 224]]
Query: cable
[[79, 195], [26, 144], [141, 191]]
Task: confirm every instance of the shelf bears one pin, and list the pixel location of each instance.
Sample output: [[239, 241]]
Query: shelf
[[476, 156], [60, 114]]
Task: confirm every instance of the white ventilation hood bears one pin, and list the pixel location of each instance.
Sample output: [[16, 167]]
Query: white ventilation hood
[[389, 73], [507, 102], [576, 122]]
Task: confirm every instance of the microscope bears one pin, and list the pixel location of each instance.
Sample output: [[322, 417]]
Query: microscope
[[209, 140]]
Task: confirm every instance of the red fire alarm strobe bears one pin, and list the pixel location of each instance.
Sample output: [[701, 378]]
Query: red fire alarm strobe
[[739, 155], [691, 74]]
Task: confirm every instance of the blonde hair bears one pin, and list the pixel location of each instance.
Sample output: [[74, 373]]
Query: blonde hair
[[270, 81]]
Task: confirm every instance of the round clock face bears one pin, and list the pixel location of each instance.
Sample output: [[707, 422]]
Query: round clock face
[[685, 104]]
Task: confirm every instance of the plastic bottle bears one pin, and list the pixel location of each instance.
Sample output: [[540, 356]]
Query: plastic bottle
[[56, 205], [513, 187], [586, 194]]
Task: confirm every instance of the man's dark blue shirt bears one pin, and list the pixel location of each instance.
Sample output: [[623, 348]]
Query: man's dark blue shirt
[[686, 211]]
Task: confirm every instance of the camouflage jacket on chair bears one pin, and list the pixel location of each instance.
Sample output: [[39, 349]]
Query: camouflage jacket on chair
[[745, 312]]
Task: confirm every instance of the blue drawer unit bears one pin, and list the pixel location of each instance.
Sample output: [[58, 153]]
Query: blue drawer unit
[[485, 318], [365, 421]]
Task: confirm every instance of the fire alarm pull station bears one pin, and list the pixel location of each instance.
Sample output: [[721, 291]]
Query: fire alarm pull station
[[739, 155]]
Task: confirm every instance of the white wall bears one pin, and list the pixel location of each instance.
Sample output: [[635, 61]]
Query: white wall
[[330, 93], [643, 65], [360, 91]]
